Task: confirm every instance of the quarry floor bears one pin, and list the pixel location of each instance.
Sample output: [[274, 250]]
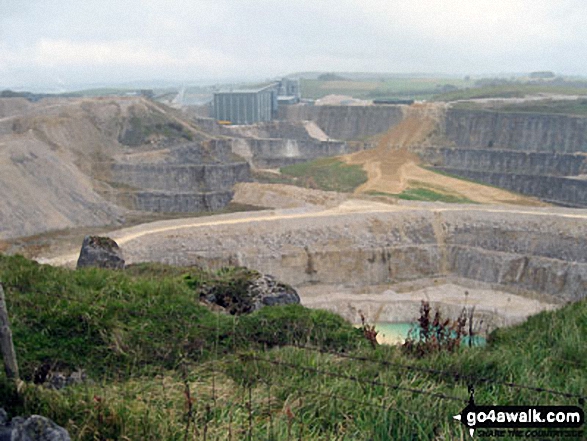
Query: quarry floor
[[491, 308]]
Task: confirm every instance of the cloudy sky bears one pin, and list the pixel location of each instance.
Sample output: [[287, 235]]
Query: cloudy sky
[[59, 43]]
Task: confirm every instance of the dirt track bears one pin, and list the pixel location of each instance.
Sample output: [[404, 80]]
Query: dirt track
[[392, 168]]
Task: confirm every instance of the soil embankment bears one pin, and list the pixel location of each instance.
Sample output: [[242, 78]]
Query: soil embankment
[[393, 167]]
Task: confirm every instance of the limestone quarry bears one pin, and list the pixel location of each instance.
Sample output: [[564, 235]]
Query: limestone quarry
[[516, 249]]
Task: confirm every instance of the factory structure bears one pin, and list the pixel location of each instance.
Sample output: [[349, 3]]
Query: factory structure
[[249, 106]]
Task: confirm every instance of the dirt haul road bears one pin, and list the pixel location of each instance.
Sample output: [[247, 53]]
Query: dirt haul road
[[131, 237]]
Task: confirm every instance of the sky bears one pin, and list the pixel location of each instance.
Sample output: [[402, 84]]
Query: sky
[[58, 44]]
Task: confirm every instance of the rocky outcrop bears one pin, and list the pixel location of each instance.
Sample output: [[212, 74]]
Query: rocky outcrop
[[100, 252], [33, 428], [57, 380]]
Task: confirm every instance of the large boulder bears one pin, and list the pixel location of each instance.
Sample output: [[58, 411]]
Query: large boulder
[[33, 428], [5, 430], [100, 252], [247, 291], [266, 291]]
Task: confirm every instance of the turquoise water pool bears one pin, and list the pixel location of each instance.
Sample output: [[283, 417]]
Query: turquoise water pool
[[396, 333]]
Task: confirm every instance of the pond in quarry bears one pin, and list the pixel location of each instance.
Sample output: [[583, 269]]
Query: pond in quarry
[[396, 333]]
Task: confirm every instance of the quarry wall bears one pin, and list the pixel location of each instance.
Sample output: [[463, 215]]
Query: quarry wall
[[346, 122], [275, 153], [565, 191], [533, 154], [524, 252], [180, 178], [516, 131], [176, 202], [274, 144], [506, 161], [271, 129], [184, 178]]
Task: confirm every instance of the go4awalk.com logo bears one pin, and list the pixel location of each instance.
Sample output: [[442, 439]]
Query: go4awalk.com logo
[[523, 421]]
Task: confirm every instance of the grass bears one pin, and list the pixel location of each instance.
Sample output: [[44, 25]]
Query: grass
[[516, 90], [156, 374], [426, 194], [110, 322], [383, 88], [330, 174], [566, 107]]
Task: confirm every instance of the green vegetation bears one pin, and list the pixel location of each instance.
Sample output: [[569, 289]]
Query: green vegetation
[[108, 321], [439, 89], [273, 178], [426, 194], [380, 88], [567, 107], [510, 90], [330, 174], [331, 77], [164, 367], [104, 91], [140, 129]]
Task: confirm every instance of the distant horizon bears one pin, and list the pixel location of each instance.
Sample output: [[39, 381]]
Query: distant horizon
[[158, 83]]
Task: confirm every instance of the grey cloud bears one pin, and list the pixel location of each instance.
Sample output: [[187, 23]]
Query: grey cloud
[[269, 37]]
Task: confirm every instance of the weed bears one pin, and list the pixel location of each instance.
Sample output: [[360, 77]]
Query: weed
[[369, 332], [436, 334]]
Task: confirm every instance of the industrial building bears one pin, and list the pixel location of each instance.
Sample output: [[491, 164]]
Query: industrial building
[[289, 91], [246, 106], [250, 106]]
